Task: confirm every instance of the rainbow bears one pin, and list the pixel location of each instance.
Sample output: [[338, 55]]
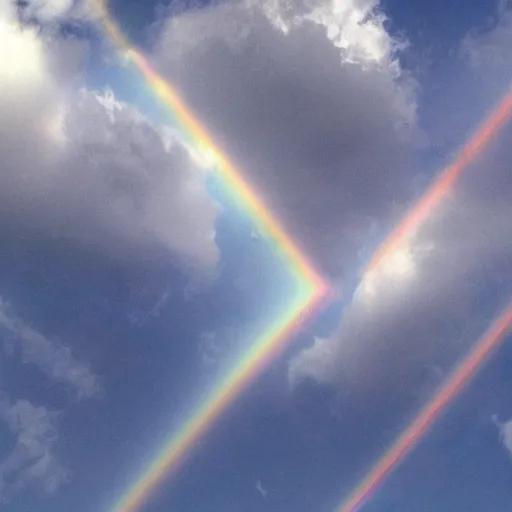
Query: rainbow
[[311, 292], [452, 387], [439, 189], [444, 183], [266, 348], [232, 177]]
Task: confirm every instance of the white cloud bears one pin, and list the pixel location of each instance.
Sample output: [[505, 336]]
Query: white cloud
[[83, 166], [32, 461], [312, 362], [354, 26], [490, 49], [54, 359], [427, 301], [261, 489], [402, 319], [209, 350], [506, 435], [327, 134], [310, 100], [46, 10], [505, 432]]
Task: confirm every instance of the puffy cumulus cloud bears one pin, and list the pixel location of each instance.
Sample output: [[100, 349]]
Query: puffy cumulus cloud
[[430, 298], [53, 358], [137, 184], [32, 461], [309, 99], [86, 167], [435, 294], [356, 27]]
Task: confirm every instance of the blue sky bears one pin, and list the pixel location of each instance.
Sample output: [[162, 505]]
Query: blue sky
[[129, 283]]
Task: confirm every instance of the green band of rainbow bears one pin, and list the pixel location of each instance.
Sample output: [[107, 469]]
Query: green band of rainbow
[[312, 289]]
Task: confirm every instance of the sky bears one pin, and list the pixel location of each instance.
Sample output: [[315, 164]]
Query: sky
[[152, 247]]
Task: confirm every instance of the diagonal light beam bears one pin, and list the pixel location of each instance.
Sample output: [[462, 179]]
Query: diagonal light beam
[[444, 183], [452, 387], [312, 292], [315, 289], [416, 216]]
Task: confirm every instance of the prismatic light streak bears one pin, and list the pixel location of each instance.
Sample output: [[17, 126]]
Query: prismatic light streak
[[453, 386], [312, 290], [443, 184], [416, 216]]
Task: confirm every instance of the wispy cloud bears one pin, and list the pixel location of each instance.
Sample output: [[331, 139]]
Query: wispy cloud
[[32, 461], [209, 349], [424, 304], [505, 433], [51, 357], [261, 489]]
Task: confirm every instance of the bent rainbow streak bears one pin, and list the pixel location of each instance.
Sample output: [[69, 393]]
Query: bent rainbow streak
[[311, 292], [262, 352]]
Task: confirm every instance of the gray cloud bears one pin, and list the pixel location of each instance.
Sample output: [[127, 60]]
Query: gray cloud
[[82, 166], [32, 461], [313, 105], [52, 358], [46, 10], [490, 49], [435, 295], [310, 100]]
